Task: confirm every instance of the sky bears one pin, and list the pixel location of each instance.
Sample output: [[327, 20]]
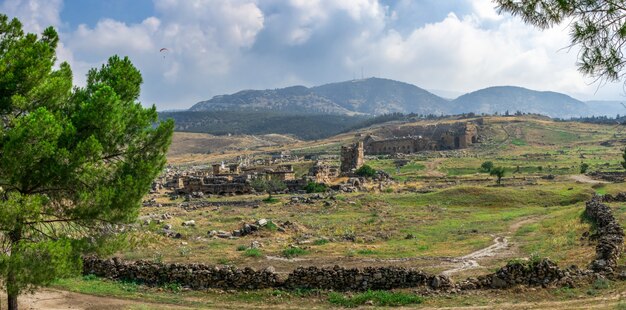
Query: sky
[[216, 47]]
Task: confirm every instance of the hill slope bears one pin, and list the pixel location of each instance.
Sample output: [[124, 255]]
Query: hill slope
[[295, 99], [381, 96], [512, 98]]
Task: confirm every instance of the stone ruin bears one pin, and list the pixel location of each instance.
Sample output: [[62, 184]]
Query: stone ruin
[[323, 173], [412, 139], [351, 157]]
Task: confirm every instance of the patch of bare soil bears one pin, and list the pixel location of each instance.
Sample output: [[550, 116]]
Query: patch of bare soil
[[587, 179], [53, 299], [604, 302], [431, 168]]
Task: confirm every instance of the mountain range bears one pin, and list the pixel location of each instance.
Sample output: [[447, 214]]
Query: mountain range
[[377, 96]]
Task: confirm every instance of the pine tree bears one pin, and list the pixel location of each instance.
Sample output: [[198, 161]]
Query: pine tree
[[73, 161]]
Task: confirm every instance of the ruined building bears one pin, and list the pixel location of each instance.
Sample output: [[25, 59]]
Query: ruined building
[[351, 157], [282, 173], [214, 185], [411, 139], [323, 173]]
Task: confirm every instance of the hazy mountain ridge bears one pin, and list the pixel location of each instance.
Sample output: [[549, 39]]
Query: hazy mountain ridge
[[376, 96], [294, 99], [514, 98], [382, 96]]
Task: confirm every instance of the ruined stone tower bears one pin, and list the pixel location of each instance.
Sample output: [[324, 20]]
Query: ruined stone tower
[[351, 157]]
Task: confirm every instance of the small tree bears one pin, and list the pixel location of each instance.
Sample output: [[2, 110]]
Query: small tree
[[624, 157], [498, 172], [269, 186], [366, 171], [73, 161], [584, 167], [487, 166]]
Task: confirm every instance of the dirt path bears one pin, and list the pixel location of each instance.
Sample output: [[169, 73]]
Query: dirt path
[[500, 243], [586, 179], [470, 261], [431, 168], [54, 299], [604, 302]]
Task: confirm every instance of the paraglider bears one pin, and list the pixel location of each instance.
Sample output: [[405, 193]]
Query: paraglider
[[163, 50]]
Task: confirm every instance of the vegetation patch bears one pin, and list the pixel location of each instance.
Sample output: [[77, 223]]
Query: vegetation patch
[[294, 252], [376, 298], [253, 253]]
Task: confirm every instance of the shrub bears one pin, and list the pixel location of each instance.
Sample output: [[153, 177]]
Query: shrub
[[379, 298], [241, 247], [486, 166], [584, 167], [313, 187], [366, 171]]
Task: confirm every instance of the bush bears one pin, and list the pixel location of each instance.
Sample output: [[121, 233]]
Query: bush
[[486, 166], [313, 187], [366, 171], [379, 298], [241, 247], [584, 167]]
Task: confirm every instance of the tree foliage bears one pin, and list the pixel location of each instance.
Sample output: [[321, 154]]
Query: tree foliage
[[498, 172], [486, 166], [624, 157], [73, 161], [270, 186], [598, 27]]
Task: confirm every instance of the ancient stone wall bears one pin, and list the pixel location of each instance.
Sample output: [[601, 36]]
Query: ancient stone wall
[[323, 173], [411, 139], [609, 233], [195, 276], [351, 157]]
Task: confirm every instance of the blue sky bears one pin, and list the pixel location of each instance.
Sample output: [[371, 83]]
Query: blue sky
[[222, 46]]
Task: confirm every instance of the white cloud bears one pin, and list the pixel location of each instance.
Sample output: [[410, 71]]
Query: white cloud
[[35, 15], [221, 46]]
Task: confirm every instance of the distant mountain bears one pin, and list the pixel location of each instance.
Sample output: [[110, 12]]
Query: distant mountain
[[372, 96], [512, 98], [607, 108], [381, 96], [295, 99], [376, 96]]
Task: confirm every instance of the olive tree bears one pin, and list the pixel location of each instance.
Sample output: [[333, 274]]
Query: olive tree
[[73, 160]]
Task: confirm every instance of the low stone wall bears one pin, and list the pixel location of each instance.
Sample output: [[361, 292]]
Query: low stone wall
[[620, 197], [534, 273], [194, 276], [542, 273], [354, 279], [610, 236]]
